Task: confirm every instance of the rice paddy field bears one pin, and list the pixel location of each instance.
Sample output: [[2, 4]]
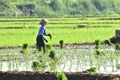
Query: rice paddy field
[[74, 57], [17, 31]]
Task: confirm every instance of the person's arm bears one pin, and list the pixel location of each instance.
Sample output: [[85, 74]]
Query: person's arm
[[45, 39], [47, 34]]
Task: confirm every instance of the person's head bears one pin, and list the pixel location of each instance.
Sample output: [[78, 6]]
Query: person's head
[[43, 22]]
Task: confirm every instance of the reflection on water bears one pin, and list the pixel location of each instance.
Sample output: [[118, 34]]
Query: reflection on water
[[72, 59]]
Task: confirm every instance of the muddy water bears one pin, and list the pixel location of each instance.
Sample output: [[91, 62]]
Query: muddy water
[[75, 58]]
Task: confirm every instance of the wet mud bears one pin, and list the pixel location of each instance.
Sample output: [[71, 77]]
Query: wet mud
[[27, 75]]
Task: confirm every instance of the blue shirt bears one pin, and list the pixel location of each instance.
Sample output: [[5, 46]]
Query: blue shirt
[[42, 31]]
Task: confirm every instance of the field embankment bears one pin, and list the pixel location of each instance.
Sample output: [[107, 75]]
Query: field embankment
[[26, 75]]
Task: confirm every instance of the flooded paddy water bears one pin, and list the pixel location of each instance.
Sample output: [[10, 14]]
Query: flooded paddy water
[[72, 58]]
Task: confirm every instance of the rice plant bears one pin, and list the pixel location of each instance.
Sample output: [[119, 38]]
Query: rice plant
[[0, 62], [104, 62], [117, 46], [52, 54], [36, 65], [48, 47], [78, 61], [53, 61], [61, 42], [24, 48], [91, 60], [112, 61], [61, 76], [107, 42], [92, 70], [97, 44]]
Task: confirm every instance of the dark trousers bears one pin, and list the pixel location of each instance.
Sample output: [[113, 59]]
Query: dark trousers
[[40, 43]]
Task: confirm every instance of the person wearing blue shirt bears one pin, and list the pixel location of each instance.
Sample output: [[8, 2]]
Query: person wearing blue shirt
[[40, 37]]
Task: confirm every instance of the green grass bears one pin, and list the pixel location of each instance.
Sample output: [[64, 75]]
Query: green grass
[[60, 28]]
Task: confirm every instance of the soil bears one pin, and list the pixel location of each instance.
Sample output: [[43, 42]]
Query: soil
[[27, 75]]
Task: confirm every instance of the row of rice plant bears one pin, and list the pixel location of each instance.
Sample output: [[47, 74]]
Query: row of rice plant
[[24, 30], [81, 58], [32, 22]]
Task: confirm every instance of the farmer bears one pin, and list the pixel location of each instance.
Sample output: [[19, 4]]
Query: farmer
[[40, 40]]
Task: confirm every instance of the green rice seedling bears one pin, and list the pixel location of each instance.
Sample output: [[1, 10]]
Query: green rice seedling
[[104, 62], [92, 70], [98, 52], [0, 66], [118, 66], [52, 54], [13, 59], [19, 57], [68, 29], [27, 60], [48, 47], [10, 62], [117, 46], [24, 48], [36, 65], [64, 59], [107, 42], [0, 62], [17, 64], [98, 63], [82, 61], [97, 44], [52, 66], [97, 48], [53, 60], [116, 59], [91, 60], [78, 61], [61, 76], [70, 67], [112, 61], [38, 54], [44, 64], [61, 44], [44, 61]]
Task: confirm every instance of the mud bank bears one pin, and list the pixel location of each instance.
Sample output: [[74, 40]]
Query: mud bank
[[27, 75]]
